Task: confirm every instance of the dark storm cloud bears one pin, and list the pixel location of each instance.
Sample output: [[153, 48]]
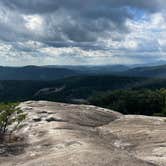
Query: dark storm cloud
[[43, 6], [84, 46], [74, 20]]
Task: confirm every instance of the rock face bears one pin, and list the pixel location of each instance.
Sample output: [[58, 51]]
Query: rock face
[[59, 134]]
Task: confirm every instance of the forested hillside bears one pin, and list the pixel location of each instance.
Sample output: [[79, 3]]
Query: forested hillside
[[65, 89]]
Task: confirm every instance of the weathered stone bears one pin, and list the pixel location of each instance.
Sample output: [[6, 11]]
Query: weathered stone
[[80, 135]]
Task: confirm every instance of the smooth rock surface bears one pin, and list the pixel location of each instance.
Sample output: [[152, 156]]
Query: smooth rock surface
[[58, 134]]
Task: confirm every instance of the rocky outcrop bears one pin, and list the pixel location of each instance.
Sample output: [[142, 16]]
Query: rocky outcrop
[[57, 134]]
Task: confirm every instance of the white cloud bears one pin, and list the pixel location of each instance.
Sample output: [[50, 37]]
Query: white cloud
[[34, 23]]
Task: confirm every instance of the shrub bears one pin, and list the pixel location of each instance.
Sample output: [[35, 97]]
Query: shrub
[[10, 114]]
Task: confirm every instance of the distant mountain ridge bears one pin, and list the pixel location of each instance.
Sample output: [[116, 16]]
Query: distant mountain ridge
[[34, 73], [47, 73], [93, 69], [151, 71]]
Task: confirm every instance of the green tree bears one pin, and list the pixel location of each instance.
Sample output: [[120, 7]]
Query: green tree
[[144, 102]]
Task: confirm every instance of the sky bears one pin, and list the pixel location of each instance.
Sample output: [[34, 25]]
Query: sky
[[82, 32]]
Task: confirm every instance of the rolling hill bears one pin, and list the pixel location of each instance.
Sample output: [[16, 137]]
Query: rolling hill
[[34, 73], [47, 73], [78, 87], [152, 71]]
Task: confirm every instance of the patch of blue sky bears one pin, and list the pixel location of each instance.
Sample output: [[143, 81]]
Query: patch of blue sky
[[138, 14]]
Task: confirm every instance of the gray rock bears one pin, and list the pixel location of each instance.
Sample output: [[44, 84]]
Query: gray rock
[[80, 135]]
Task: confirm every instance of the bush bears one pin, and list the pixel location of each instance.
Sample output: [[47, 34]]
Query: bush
[[10, 115]]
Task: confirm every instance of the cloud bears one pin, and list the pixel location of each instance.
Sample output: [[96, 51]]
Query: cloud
[[79, 31], [42, 6]]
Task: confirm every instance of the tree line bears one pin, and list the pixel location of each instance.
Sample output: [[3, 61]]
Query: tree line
[[142, 102]]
